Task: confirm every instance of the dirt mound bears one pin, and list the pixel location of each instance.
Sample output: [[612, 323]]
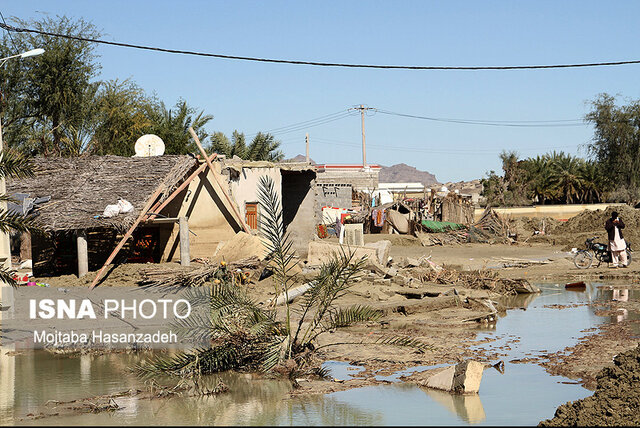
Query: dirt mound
[[616, 401], [574, 231], [526, 226]]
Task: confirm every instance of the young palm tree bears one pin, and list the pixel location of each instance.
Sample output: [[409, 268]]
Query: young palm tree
[[238, 333]]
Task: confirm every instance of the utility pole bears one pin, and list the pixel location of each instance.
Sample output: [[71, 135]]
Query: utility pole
[[306, 138], [362, 109]]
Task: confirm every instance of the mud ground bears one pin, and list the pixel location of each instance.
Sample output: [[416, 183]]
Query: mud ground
[[442, 321]]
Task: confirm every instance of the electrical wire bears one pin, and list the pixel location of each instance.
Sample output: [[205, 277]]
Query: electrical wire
[[317, 63], [8, 32], [515, 123], [305, 125], [438, 151]]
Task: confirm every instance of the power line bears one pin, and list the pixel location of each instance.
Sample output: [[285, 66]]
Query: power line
[[309, 124], [316, 63], [8, 32], [439, 151], [518, 124]]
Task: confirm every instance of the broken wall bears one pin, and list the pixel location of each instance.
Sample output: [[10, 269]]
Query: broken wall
[[299, 208], [332, 195]]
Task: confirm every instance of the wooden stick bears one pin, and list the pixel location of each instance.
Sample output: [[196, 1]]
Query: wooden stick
[[127, 235], [214, 174], [159, 206]]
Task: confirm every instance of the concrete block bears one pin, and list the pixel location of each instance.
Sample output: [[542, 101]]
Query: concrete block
[[463, 378], [382, 250], [321, 252]]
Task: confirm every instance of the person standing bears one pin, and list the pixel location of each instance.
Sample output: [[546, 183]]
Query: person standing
[[617, 245]]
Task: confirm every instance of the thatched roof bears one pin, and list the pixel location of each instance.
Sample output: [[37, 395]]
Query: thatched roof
[[80, 188]]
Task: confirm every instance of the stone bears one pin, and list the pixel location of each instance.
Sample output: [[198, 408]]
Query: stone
[[463, 378]]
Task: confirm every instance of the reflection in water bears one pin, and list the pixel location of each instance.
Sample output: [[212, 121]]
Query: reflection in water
[[29, 380], [467, 407], [7, 383]]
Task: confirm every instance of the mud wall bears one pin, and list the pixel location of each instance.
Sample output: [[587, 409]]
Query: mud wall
[[210, 215], [299, 208]]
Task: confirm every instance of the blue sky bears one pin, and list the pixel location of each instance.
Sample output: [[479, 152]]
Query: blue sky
[[254, 97]]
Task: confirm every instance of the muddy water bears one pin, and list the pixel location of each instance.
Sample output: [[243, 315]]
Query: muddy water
[[523, 395]]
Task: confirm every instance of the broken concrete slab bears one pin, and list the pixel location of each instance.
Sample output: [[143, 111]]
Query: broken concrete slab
[[463, 378], [383, 247], [321, 252], [241, 246], [525, 287]]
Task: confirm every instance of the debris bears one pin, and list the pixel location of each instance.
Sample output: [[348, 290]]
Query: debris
[[27, 264], [382, 249], [518, 263], [291, 294], [162, 277], [463, 378], [493, 225], [579, 284]]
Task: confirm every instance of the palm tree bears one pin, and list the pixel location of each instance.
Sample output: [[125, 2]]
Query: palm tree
[[565, 175], [172, 125], [592, 182], [262, 147]]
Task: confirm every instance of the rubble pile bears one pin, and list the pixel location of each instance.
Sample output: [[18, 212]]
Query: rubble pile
[[477, 279], [492, 227], [159, 277]]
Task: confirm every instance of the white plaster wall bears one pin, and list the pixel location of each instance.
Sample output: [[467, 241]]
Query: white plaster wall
[[245, 189]]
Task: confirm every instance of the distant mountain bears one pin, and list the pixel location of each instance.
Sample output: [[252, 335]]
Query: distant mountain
[[403, 173], [300, 158]]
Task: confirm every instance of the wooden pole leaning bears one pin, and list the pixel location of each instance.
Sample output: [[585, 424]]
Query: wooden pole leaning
[[127, 235], [214, 174], [159, 206]]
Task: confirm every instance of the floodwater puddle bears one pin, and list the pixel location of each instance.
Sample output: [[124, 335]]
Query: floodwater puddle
[[525, 394]]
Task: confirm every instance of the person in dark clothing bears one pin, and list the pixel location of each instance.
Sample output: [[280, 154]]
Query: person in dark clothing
[[617, 245]]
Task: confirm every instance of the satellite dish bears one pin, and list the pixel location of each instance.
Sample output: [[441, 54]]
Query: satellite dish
[[149, 145]]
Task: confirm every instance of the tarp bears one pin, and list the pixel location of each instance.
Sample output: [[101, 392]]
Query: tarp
[[441, 226]]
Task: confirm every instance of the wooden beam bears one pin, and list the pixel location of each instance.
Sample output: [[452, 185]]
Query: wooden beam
[[159, 206], [127, 235], [222, 189], [83, 253], [185, 258], [164, 220]]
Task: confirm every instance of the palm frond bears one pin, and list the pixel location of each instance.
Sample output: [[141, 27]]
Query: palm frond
[[402, 341], [14, 221], [344, 317], [6, 276], [274, 352], [15, 164], [201, 361]]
